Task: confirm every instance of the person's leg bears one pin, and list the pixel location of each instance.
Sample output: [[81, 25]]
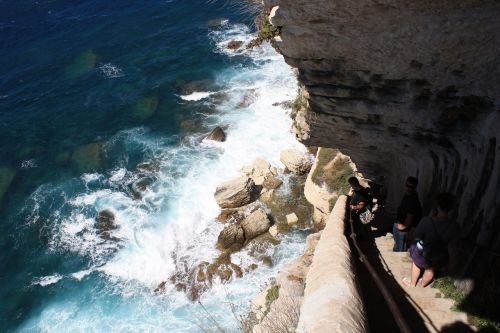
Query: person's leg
[[398, 239], [415, 274], [427, 277]]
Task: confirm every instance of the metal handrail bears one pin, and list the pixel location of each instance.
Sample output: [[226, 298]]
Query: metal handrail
[[398, 316]]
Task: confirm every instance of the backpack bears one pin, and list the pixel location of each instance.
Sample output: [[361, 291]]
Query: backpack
[[367, 215]]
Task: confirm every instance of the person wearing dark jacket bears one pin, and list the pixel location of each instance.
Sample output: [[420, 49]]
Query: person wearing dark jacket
[[408, 214], [432, 235]]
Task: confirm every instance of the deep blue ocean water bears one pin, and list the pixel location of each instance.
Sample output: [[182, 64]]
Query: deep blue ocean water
[[89, 90]]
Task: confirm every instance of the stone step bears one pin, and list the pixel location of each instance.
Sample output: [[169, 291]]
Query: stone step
[[435, 309]]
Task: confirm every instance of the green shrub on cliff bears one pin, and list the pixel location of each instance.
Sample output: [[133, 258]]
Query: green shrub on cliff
[[267, 32], [332, 171]]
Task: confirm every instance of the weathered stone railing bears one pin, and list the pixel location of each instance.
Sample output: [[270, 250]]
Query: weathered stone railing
[[332, 300]]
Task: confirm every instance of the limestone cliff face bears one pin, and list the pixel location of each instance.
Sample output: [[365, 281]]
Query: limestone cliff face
[[404, 88]]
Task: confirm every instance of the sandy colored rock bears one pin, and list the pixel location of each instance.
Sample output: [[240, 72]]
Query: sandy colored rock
[[292, 219], [332, 302], [271, 182], [273, 230], [296, 161], [256, 224], [232, 236], [235, 193]]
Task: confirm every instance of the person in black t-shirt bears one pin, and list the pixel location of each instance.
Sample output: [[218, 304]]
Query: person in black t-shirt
[[359, 198], [433, 233], [408, 215]]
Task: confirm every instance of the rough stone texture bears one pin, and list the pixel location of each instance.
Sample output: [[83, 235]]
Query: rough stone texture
[[296, 161], [428, 305], [256, 224], [217, 134], [320, 197], [235, 193], [284, 312], [404, 88], [332, 302], [231, 236], [274, 230], [262, 173], [292, 219]]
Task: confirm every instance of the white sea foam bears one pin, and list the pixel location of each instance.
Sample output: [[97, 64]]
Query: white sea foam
[[173, 223], [47, 280], [81, 274], [111, 71], [197, 95], [29, 164]]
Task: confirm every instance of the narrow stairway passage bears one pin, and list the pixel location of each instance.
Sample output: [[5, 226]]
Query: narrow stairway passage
[[424, 309]]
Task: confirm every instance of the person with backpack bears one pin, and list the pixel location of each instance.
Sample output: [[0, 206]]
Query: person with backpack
[[429, 252], [408, 214], [360, 201]]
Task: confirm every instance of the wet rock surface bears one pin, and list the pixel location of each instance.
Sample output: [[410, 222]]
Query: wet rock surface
[[217, 134], [235, 193]]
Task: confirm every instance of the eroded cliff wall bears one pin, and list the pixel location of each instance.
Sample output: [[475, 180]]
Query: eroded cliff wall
[[404, 88]]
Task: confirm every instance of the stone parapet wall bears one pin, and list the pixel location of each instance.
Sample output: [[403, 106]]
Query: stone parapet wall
[[332, 300]]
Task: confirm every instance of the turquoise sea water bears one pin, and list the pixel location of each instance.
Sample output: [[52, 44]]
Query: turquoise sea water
[[89, 90]]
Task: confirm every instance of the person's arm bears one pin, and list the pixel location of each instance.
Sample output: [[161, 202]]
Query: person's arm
[[358, 206], [408, 220]]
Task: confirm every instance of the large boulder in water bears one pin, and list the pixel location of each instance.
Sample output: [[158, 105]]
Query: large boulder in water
[[256, 224], [234, 44], [235, 193], [232, 237], [106, 224], [217, 134], [296, 161]]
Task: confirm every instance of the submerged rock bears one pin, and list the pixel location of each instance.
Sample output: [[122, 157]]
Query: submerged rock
[[296, 161], [235, 193], [217, 134], [81, 65], [88, 157], [146, 107], [7, 175]]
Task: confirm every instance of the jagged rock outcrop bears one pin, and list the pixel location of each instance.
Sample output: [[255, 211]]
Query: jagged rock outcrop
[[296, 161], [235, 193], [404, 88], [235, 235]]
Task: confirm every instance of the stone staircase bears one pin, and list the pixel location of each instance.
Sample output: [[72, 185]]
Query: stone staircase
[[435, 311]]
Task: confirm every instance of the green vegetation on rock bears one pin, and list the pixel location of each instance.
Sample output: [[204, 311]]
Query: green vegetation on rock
[[267, 32], [481, 309], [331, 171], [272, 294]]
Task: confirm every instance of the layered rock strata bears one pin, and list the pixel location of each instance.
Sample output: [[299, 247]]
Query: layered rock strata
[[404, 88]]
